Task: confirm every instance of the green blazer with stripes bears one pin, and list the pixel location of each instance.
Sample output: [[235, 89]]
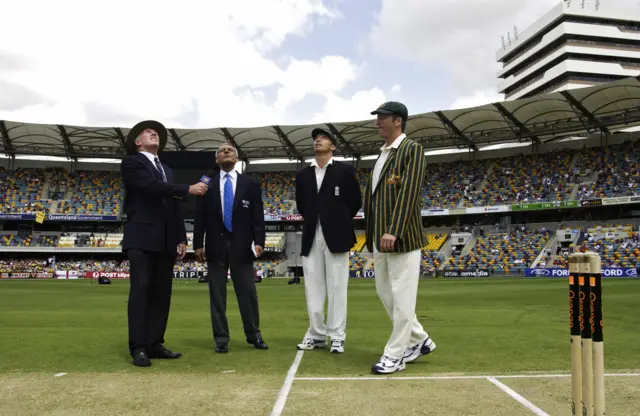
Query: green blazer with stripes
[[395, 205]]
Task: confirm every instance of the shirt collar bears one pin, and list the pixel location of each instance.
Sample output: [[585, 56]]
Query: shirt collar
[[395, 144], [149, 156], [315, 163], [233, 174]]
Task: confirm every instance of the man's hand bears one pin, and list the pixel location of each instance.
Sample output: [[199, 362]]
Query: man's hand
[[182, 251], [200, 255], [386, 243], [259, 251], [198, 189]]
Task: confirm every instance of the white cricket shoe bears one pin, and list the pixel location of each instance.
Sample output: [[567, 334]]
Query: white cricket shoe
[[337, 346], [388, 365], [422, 348], [308, 343]]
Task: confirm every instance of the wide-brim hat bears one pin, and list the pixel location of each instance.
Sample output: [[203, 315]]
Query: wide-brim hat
[[135, 131], [318, 131]]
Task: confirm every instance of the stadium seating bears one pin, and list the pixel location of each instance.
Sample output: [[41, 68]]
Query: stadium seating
[[46, 240], [267, 266], [357, 262], [22, 191], [61, 181], [435, 241], [446, 184], [278, 192], [275, 242], [430, 260], [361, 240], [97, 193], [503, 253], [618, 245], [530, 178], [617, 168]]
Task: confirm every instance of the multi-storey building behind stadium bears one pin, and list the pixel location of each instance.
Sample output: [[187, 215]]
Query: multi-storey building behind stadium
[[577, 44]]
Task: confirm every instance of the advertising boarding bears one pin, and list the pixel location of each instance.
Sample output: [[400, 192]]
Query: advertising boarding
[[557, 272]]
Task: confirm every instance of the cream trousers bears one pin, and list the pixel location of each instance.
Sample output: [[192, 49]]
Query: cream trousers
[[397, 277], [326, 275]]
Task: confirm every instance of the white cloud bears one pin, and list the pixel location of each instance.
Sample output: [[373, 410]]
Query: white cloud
[[115, 62], [478, 98], [357, 107], [460, 36]]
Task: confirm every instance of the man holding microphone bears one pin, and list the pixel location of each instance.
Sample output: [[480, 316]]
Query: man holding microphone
[[328, 197], [154, 237]]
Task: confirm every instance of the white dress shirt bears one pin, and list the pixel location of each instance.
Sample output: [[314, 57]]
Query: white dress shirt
[[233, 175], [384, 154], [152, 159], [320, 172]]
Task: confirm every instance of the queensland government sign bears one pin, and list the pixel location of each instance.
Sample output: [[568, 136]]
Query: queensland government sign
[[557, 272], [58, 217]]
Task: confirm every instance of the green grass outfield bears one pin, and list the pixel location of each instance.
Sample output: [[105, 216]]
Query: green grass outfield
[[480, 326], [493, 326]]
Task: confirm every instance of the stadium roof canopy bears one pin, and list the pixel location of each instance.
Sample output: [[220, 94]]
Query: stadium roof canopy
[[604, 108]]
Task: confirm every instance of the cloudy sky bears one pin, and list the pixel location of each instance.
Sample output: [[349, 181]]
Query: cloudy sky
[[215, 63]]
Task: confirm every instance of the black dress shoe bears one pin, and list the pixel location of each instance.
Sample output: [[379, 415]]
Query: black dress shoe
[[161, 352], [221, 347], [141, 359], [294, 280], [259, 344]]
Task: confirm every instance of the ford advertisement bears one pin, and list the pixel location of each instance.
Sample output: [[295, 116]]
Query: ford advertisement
[[609, 272]]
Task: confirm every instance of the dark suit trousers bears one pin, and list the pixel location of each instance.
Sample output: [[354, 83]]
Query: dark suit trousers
[[151, 278], [245, 287]]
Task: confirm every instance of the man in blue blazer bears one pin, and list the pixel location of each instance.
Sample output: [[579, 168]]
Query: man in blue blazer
[[232, 217], [154, 237]]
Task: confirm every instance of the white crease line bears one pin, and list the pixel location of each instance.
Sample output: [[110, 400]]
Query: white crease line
[[525, 376], [60, 374], [526, 403], [278, 407]]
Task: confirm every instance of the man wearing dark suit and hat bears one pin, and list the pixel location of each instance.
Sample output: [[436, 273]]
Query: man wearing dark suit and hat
[[229, 222], [328, 197], [154, 237]]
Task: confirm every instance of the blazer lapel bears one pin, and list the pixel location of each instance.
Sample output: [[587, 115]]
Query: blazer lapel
[[214, 191], [311, 172], [328, 176], [240, 188], [150, 166], [385, 168]]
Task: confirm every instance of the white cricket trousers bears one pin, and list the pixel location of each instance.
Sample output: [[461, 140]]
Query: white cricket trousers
[[326, 275], [397, 276]]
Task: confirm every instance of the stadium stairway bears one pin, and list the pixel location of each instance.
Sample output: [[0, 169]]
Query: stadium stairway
[[574, 191], [444, 263], [54, 208], [45, 190], [470, 244], [464, 252], [574, 160], [546, 247]]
